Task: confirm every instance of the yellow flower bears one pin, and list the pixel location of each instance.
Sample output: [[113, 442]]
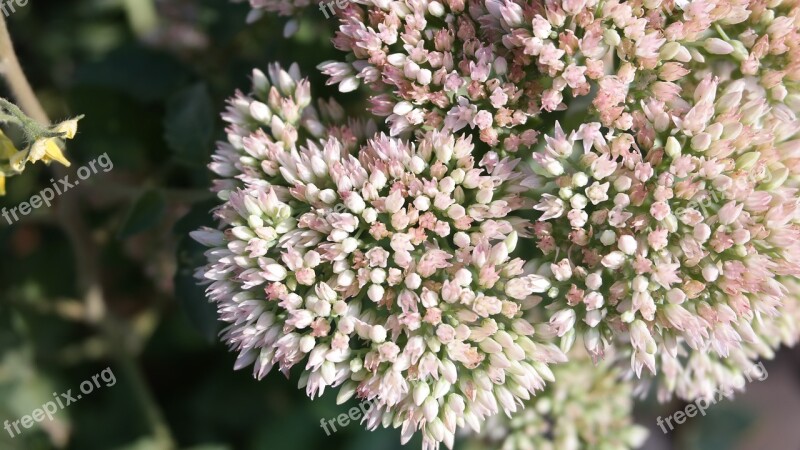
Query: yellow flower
[[50, 149], [2, 184], [47, 150]]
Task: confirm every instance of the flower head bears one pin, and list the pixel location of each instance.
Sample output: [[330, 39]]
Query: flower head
[[387, 269], [687, 243]]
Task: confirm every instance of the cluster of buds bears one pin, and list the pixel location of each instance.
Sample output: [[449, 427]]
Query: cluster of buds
[[661, 210], [385, 268], [271, 120], [588, 407], [499, 65], [684, 244], [35, 142]]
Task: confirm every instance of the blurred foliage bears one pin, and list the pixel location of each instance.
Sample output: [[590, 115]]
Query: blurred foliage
[[151, 79]]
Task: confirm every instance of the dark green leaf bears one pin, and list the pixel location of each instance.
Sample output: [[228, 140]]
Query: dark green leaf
[[189, 124], [144, 214], [192, 296], [144, 74], [200, 311]]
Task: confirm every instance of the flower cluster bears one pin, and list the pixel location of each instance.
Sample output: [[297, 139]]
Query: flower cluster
[[588, 408], [388, 273], [500, 65], [644, 154]]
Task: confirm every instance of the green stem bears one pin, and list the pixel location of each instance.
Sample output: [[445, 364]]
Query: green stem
[[721, 32]]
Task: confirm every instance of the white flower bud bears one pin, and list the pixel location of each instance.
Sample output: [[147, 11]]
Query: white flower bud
[[370, 215], [421, 393], [613, 260], [710, 273], [355, 203], [717, 46], [260, 112], [608, 237], [377, 276], [578, 201], [673, 147], [349, 245], [701, 142], [579, 179], [593, 318], [627, 244], [307, 343], [640, 284], [375, 293], [611, 37], [436, 9], [402, 108], [377, 334], [394, 202], [622, 183], [676, 296], [554, 168], [511, 241], [594, 281]]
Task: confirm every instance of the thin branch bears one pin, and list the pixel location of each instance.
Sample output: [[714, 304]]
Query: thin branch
[[12, 71]]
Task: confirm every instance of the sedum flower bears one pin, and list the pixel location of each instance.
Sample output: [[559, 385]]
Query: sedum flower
[[384, 270], [664, 204], [588, 407], [685, 245]]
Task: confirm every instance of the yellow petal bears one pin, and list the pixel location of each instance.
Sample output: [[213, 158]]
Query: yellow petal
[[7, 149], [18, 160], [68, 127], [2, 185], [53, 153]]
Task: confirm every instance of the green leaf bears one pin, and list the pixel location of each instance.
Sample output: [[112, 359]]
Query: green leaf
[[141, 73], [201, 312], [144, 214], [189, 124]]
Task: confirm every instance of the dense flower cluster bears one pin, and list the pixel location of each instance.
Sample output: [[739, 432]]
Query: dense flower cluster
[[273, 119], [588, 408], [500, 66], [685, 243], [691, 126], [644, 154], [387, 270]]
